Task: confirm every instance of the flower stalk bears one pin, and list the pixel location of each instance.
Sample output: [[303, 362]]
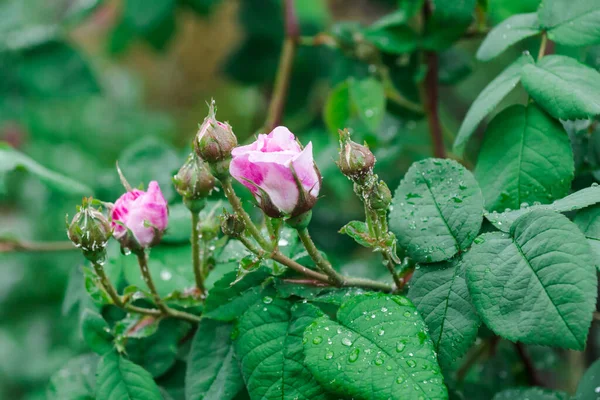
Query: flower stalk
[[197, 259]]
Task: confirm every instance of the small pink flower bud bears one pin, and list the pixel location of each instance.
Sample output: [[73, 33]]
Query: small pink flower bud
[[214, 140], [139, 217], [282, 176], [356, 161]]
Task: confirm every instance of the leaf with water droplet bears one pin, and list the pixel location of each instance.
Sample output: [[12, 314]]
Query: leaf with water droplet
[[361, 350]]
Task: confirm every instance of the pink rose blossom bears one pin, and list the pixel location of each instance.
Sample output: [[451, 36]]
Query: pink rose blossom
[[145, 214], [267, 168]]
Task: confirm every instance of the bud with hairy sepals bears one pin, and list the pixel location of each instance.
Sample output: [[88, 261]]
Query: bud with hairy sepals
[[214, 140], [356, 161], [90, 230], [194, 183]]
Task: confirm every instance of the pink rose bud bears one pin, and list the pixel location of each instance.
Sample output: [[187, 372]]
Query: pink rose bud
[[215, 139], [282, 176], [143, 214]]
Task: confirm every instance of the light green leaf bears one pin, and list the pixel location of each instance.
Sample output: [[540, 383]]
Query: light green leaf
[[212, 370], [393, 39], [337, 108], [575, 201], [536, 285], [96, 332], [75, 381], [588, 221], [120, 379], [269, 348], [564, 87], [228, 299], [507, 33], [530, 394], [572, 23], [368, 96], [589, 383], [11, 159], [359, 231], [488, 99], [437, 210], [526, 157], [378, 349], [439, 291]]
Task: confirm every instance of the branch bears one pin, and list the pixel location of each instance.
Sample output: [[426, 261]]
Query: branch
[[534, 378], [197, 260], [429, 95], [318, 259], [284, 72], [15, 245]]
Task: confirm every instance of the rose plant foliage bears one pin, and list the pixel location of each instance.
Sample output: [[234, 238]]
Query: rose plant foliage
[[484, 267]]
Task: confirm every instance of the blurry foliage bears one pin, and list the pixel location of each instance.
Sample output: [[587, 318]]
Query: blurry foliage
[[76, 109]]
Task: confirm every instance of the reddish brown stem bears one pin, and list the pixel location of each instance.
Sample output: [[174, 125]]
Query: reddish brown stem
[[430, 97], [534, 378]]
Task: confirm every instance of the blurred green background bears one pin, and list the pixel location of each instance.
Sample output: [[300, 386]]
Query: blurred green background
[[85, 83]]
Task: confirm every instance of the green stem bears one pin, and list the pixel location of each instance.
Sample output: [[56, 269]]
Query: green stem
[[13, 245], [391, 266], [239, 209], [117, 300], [320, 262], [543, 44], [143, 262], [196, 259]]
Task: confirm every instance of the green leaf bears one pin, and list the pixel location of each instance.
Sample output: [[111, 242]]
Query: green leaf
[[212, 370], [75, 381], [455, 65], [572, 23], [437, 210], [575, 201], [588, 221], [96, 332], [589, 383], [439, 291], [488, 99], [449, 20], [137, 326], [377, 349], [337, 107], [11, 159], [368, 96], [143, 18], [536, 285], [531, 394], [526, 157], [393, 39], [269, 348], [228, 299], [566, 88], [120, 379], [359, 231], [507, 33]]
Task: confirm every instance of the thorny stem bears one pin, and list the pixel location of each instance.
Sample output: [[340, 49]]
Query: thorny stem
[[117, 300], [165, 310], [237, 207], [321, 263], [197, 260], [286, 62], [13, 245]]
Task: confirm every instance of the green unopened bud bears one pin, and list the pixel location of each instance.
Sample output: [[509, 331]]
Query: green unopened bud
[[232, 225], [356, 161], [214, 140], [380, 196], [194, 182], [90, 230]]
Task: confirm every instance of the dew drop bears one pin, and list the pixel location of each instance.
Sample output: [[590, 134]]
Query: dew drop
[[346, 341], [411, 363], [267, 299], [400, 347], [353, 355], [317, 340], [399, 379], [329, 355]]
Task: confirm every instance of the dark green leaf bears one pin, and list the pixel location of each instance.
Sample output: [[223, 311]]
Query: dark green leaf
[[588, 221], [120, 379], [488, 99], [393, 40], [377, 349], [269, 348], [437, 210], [589, 383], [575, 201], [530, 394], [507, 33], [11, 159], [143, 18], [439, 291], [75, 381], [537, 284], [566, 88], [455, 65], [368, 97], [525, 157], [337, 108], [228, 300], [359, 231], [449, 20], [212, 370], [572, 23], [96, 332]]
